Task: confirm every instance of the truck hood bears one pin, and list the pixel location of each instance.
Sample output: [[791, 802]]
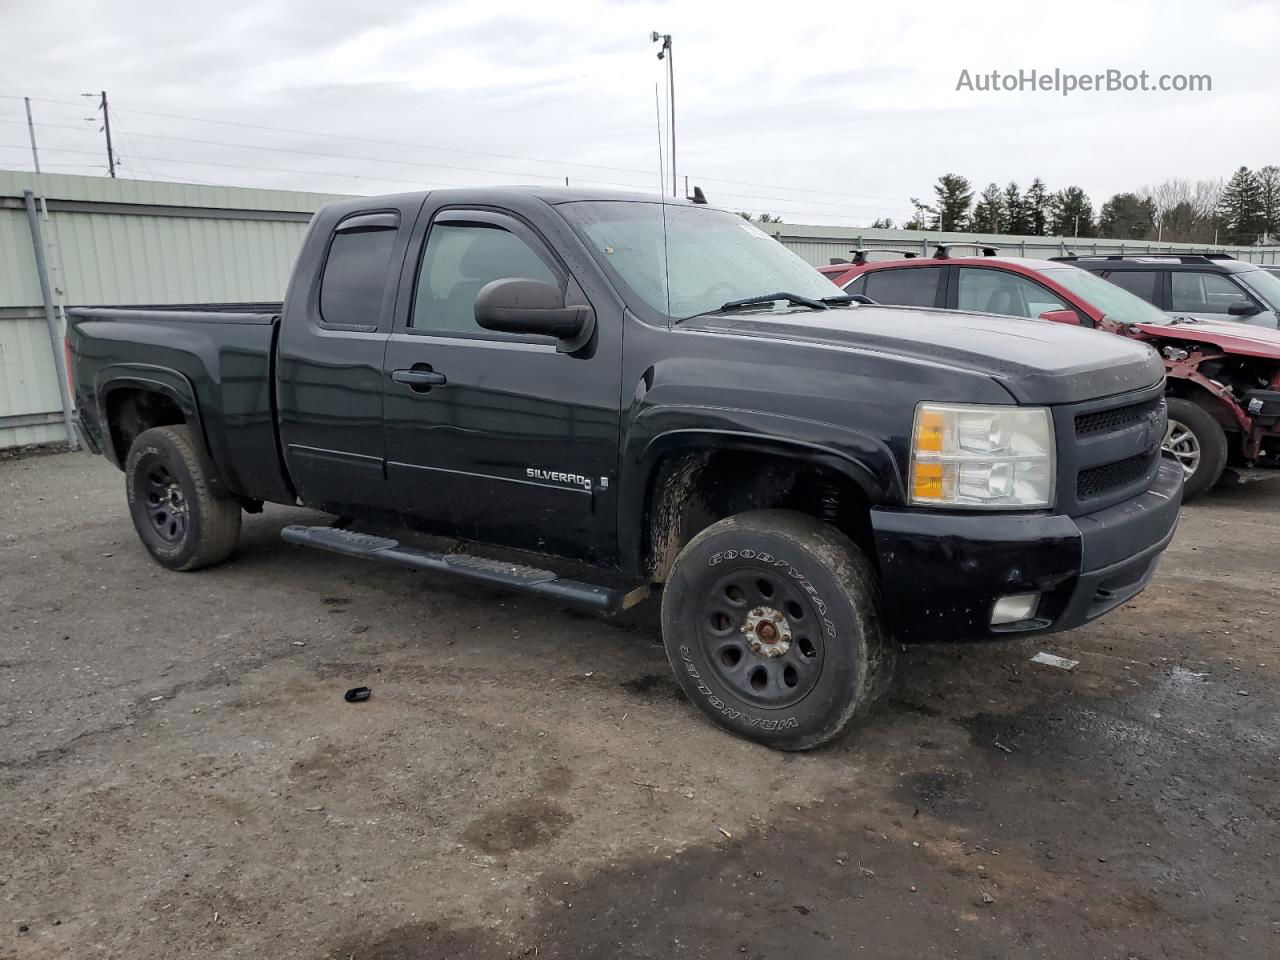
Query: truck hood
[[1035, 360], [1231, 337]]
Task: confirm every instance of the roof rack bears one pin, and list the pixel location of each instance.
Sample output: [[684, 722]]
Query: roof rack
[[863, 256], [943, 251], [1139, 257]]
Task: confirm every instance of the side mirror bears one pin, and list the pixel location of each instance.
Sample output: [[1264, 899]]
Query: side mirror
[[520, 305], [1243, 308], [1061, 316]]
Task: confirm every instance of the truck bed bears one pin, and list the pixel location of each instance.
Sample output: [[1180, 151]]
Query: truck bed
[[218, 359]]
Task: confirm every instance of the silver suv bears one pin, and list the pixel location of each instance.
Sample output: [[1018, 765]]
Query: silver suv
[[1210, 286]]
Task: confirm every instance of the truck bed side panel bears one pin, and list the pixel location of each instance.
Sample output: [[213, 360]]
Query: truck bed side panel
[[224, 361]]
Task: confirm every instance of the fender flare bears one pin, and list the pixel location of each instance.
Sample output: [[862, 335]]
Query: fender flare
[[151, 379], [867, 462]]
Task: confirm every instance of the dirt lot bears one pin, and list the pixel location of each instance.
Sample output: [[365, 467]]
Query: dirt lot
[[180, 776]]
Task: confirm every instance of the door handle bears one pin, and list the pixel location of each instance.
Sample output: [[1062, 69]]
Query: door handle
[[419, 379]]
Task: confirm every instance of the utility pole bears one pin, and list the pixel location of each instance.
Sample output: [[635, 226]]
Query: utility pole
[[31, 132], [106, 128], [666, 54]]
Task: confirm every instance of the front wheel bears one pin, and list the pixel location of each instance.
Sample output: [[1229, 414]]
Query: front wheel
[[1197, 441], [773, 625], [178, 518]]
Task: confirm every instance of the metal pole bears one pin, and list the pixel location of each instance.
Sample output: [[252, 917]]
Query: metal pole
[[671, 85], [106, 128], [31, 132], [59, 366]]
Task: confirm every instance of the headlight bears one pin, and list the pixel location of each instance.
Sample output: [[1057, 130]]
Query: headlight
[[976, 457]]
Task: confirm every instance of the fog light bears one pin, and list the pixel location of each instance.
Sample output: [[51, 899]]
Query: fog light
[[1015, 608]]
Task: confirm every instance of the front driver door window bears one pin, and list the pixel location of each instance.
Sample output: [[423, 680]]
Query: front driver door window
[[997, 291], [1204, 294]]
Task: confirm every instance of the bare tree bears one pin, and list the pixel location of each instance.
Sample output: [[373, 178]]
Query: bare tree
[[1185, 212]]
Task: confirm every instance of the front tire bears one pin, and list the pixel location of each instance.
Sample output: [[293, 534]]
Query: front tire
[[1198, 443], [183, 525], [773, 625]]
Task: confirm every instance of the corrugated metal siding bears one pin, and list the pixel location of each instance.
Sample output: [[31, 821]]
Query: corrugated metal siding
[[25, 436], [159, 193], [148, 254], [115, 259], [28, 383]]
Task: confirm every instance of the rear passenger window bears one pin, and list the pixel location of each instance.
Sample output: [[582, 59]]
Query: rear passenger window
[[355, 272], [458, 260], [904, 286], [857, 286], [1141, 283]]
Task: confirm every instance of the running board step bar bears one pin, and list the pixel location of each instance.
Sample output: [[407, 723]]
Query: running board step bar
[[516, 576]]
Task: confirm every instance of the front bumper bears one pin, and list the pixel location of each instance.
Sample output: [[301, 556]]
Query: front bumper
[[943, 573]]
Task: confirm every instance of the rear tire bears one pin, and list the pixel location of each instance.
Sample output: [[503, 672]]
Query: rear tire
[[180, 521], [773, 625], [1198, 443]]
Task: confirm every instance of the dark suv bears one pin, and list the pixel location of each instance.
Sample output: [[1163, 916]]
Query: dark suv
[[1210, 286]]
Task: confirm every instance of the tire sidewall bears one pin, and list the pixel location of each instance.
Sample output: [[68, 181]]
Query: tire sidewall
[[826, 707], [154, 447], [1213, 445]]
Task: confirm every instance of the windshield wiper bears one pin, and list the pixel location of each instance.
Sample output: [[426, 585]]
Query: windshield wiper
[[842, 298], [794, 298], [1177, 320]]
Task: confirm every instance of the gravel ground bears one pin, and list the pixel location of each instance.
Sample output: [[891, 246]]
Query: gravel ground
[[180, 776]]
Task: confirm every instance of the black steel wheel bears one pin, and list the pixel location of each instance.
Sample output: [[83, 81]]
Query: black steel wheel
[[764, 636], [772, 623], [166, 506], [179, 519]]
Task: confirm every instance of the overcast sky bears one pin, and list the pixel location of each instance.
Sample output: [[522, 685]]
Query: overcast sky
[[819, 112]]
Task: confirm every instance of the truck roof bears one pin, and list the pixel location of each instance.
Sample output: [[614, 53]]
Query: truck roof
[[551, 195]]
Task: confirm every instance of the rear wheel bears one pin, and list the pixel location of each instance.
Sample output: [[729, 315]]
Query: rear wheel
[[178, 518], [1198, 443], [772, 623]]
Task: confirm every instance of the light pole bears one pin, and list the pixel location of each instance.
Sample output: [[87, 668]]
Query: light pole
[[665, 53]]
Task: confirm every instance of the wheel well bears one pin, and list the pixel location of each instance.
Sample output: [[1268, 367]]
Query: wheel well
[[131, 411], [1216, 407], [693, 489]]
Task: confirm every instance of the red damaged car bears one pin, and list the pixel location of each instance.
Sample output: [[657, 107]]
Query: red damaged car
[[1223, 389]]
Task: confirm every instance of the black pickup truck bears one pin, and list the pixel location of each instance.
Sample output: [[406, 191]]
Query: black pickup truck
[[661, 395]]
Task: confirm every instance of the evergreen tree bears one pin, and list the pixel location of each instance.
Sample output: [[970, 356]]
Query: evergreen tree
[[1036, 208], [955, 194], [1127, 216], [1015, 214], [884, 223], [988, 214], [1072, 213], [1242, 207], [1269, 185]]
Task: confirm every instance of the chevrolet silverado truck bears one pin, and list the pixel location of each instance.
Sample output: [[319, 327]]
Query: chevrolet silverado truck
[[655, 395]]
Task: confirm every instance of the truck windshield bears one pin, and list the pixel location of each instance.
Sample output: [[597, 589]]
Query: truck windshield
[[709, 257], [1117, 303]]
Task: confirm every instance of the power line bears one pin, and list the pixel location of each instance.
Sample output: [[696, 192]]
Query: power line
[[423, 146], [413, 163]]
